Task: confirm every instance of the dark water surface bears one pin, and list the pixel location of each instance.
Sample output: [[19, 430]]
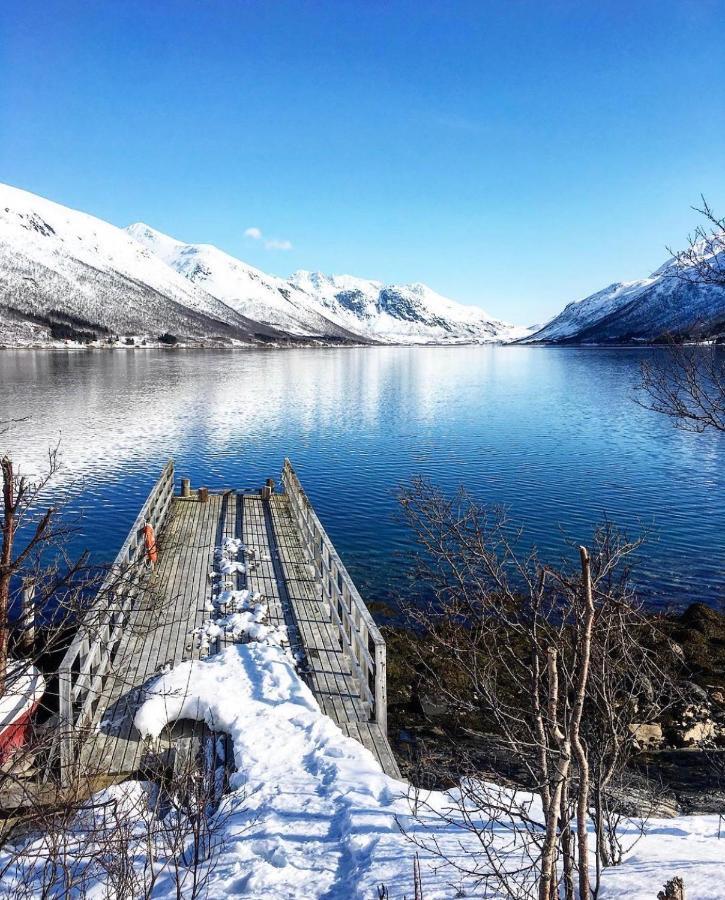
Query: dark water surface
[[552, 433]]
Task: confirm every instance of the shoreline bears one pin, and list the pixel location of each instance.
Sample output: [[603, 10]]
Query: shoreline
[[331, 345], [433, 747]]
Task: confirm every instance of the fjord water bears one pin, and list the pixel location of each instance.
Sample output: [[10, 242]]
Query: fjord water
[[554, 434]]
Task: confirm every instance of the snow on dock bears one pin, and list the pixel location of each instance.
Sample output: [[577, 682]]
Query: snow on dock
[[234, 566]]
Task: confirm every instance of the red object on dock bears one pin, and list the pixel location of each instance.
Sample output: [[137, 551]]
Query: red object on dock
[[149, 538]]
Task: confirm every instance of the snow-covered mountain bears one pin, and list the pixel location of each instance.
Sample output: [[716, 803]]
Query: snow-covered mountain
[[64, 272], [645, 310], [400, 313], [334, 306], [68, 275], [249, 291]]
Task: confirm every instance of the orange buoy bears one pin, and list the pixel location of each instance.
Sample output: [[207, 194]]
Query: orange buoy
[[149, 539]]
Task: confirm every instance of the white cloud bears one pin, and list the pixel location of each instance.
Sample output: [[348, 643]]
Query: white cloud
[[275, 244], [255, 234]]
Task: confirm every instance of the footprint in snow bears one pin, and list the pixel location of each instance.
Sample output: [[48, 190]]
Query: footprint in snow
[[274, 854]]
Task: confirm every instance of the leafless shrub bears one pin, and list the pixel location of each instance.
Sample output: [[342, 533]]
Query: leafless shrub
[[553, 661], [127, 841]]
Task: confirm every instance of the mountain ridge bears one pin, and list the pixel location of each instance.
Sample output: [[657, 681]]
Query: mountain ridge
[[313, 304], [668, 303], [70, 277]]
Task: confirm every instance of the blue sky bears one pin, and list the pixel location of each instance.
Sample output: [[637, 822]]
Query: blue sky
[[515, 155]]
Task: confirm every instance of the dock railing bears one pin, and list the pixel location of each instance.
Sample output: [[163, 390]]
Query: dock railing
[[359, 636], [88, 659]]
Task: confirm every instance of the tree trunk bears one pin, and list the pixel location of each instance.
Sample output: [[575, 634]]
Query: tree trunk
[[674, 890], [540, 729], [548, 879], [601, 857], [567, 849], [582, 806]]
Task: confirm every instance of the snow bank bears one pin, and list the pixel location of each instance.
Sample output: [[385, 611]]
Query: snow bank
[[686, 846], [323, 812], [311, 815], [323, 818]]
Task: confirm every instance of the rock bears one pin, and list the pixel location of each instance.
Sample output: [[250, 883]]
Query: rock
[[433, 707], [698, 732], [704, 619], [695, 691], [648, 736], [691, 725]]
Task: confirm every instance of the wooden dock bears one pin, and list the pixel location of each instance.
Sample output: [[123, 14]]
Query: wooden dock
[[144, 619]]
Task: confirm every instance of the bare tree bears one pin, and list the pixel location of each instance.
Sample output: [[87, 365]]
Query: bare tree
[[68, 593], [20, 496], [550, 658], [43, 595], [687, 383], [703, 260]]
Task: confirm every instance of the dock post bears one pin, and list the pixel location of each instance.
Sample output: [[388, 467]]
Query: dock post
[[381, 688], [186, 487], [203, 494]]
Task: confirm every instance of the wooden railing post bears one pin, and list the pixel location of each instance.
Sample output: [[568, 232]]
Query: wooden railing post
[[381, 688], [65, 724]]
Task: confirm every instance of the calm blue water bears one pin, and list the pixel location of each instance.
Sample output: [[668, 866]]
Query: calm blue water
[[552, 433]]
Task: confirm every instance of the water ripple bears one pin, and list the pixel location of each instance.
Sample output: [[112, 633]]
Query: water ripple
[[553, 434]]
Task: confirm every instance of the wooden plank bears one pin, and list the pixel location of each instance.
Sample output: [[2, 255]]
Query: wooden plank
[[372, 738], [152, 649], [383, 750], [353, 620], [151, 644]]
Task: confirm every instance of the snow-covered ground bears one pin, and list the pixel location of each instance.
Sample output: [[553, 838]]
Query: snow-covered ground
[[310, 814]]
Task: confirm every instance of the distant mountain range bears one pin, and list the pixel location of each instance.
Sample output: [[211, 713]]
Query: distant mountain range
[[639, 312], [68, 277]]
